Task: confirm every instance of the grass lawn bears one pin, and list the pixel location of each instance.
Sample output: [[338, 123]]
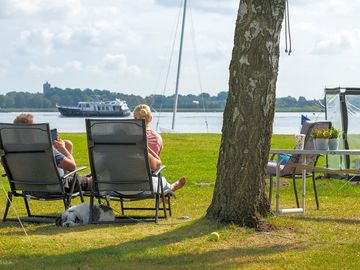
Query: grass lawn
[[328, 238]]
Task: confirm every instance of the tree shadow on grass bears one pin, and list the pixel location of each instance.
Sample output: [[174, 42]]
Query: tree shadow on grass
[[50, 228], [34, 228], [173, 249], [337, 220]]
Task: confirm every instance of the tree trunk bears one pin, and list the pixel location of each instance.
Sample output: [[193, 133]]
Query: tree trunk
[[239, 194]]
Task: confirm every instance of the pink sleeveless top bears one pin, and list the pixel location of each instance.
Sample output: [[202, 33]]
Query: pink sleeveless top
[[154, 141]]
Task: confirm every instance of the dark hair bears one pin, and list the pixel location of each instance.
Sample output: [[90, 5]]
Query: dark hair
[[24, 118]]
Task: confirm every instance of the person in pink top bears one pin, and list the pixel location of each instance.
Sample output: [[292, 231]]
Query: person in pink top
[[155, 146]]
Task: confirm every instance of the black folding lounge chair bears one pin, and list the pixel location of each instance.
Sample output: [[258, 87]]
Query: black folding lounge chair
[[27, 157], [289, 170], [120, 169]]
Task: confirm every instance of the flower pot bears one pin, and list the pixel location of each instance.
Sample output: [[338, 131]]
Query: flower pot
[[299, 141], [321, 144], [333, 144]]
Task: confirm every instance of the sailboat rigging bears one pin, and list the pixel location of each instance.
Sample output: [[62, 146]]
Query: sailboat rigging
[[184, 6], [179, 66]]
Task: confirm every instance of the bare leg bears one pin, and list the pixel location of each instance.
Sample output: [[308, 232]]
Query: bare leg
[[90, 182], [178, 184]]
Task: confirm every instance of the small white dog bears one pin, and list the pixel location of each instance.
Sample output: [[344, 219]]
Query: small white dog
[[80, 214]]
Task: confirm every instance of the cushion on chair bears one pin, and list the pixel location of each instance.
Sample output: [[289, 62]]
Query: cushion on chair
[[271, 168], [284, 159]]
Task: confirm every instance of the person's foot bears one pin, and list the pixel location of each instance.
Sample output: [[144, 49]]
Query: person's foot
[[178, 184]]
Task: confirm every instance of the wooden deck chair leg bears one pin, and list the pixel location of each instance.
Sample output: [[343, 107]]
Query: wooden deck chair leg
[[8, 203], [295, 192], [315, 192], [27, 207], [270, 188]]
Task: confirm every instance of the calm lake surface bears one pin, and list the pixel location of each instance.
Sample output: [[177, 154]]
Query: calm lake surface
[[186, 122]]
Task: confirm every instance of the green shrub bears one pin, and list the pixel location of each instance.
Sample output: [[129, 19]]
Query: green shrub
[[334, 133]]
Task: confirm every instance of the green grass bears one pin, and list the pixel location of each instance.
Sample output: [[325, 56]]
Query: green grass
[[321, 239]]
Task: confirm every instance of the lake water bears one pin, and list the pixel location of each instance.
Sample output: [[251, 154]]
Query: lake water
[[186, 122]]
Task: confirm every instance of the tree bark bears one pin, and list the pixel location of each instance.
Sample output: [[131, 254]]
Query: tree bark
[[239, 194]]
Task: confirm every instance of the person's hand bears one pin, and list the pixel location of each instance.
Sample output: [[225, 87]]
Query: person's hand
[[59, 145]]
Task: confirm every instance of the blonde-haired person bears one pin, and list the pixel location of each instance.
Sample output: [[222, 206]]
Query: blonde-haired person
[[155, 146]]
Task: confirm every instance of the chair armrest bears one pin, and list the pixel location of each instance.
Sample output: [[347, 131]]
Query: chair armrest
[[74, 171], [158, 170]]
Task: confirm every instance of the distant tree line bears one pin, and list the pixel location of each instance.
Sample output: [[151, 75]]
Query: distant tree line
[[70, 97]]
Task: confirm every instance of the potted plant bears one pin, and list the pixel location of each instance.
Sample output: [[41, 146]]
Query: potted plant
[[321, 138], [334, 138]]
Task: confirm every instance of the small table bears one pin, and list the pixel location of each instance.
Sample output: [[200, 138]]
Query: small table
[[277, 152]]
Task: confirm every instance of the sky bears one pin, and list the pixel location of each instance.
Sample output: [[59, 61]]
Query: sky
[[125, 46]]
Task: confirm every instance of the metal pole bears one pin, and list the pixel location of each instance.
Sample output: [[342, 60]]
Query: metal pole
[[304, 185], [179, 65], [277, 183]]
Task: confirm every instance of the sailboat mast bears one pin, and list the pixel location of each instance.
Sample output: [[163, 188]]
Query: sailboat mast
[[178, 68]]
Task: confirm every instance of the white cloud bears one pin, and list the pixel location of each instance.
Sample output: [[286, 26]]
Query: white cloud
[[106, 44], [46, 69], [64, 36], [25, 35], [34, 7], [117, 63], [26, 6], [48, 40], [338, 42], [304, 27], [3, 71], [214, 6], [74, 65]]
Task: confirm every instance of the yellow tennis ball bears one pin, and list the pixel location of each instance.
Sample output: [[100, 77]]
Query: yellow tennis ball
[[214, 236]]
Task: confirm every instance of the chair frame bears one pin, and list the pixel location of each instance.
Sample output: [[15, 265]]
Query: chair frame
[[27, 195], [294, 175], [122, 198]]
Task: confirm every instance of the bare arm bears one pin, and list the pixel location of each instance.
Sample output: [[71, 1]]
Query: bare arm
[[68, 163], [154, 159]]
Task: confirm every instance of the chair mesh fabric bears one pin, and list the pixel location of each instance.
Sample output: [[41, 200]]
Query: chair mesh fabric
[[28, 157], [119, 155]]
